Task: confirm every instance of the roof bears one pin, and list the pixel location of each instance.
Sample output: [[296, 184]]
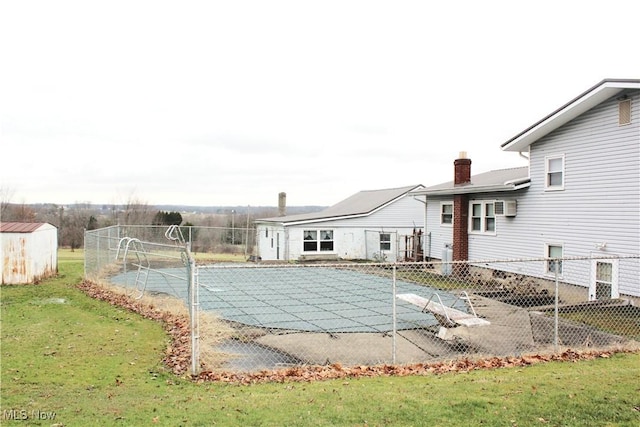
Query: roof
[[362, 203], [21, 227], [599, 93], [494, 181]]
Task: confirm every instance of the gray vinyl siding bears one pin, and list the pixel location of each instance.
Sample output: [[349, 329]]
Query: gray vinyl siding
[[601, 197], [437, 235], [600, 202]]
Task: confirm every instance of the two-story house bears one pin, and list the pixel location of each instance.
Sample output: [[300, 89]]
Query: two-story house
[[579, 196]]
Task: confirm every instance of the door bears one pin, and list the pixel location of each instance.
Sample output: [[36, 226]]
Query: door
[[604, 279]]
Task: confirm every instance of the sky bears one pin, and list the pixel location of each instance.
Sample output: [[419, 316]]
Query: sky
[[228, 103]]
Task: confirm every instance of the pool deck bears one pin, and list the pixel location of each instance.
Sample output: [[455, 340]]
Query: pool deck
[[509, 333]]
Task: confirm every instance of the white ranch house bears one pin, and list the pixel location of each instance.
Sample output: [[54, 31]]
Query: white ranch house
[[374, 224], [578, 197]]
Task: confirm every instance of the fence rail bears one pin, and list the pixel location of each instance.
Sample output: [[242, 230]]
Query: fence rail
[[265, 316]]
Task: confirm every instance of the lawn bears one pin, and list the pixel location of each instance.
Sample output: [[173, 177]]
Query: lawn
[[70, 360]]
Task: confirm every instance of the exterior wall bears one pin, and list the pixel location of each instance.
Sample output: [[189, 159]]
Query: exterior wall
[[271, 242], [353, 238], [29, 257], [600, 202]]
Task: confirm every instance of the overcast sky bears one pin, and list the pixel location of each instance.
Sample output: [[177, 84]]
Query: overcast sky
[[230, 103]]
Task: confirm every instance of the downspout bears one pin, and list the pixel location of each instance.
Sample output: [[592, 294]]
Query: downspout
[[523, 156]]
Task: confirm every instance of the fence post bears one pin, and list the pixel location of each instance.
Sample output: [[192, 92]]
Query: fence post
[[393, 316], [193, 311], [556, 304]]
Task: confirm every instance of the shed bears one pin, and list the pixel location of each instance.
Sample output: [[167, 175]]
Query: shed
[[29, 251]]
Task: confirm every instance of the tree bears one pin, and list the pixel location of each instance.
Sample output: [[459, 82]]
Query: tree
[[136, 212], [167, 218], [93, 223]]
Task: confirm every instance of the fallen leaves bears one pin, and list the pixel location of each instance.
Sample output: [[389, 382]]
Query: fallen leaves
[[178, 353]]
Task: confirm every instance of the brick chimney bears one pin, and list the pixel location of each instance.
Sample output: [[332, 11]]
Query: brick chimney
[[462, 169], [462, 176], [282, 204]]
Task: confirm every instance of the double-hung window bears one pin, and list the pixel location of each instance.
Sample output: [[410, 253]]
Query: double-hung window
[[554, 172], [310, 241], [385, 242], [317, 240], [326, 240], [446, 214], [482, 217]]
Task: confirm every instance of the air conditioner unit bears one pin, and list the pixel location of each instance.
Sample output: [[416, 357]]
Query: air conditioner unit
[[505, 208]]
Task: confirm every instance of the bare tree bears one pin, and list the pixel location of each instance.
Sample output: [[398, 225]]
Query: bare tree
[[6, 194], [136, 212]]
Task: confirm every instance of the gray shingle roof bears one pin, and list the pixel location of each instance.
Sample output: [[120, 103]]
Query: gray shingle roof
[[497, 180], [359, 204]]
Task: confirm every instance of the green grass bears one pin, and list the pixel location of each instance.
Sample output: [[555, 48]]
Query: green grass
[[94, 364]]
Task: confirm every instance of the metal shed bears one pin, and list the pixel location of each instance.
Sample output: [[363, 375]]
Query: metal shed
[[29, 251]]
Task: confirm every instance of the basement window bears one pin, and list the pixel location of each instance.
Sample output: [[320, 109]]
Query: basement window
[[554, 251]]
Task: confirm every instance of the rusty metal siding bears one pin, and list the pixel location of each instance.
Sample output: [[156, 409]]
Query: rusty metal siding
[[28, 256]]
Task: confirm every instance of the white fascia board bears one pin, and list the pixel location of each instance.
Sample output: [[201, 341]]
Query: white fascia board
[[567, 113], [474, 189]]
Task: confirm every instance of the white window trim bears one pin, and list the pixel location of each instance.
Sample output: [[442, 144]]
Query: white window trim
[[319, 240], [443, 224], [546, 255], [385, 241], [483, 218], [547, 159], [615, 290]]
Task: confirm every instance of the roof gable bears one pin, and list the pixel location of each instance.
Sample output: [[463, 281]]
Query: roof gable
[[582, 103], [493, 181], [360, 204]]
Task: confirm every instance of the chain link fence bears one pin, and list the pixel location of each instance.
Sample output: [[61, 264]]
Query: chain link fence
[[261, 316]]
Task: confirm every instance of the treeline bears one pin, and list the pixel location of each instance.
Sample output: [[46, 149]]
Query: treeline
[[72, 221]]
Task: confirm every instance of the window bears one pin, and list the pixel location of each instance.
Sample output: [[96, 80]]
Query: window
[[446, 214], [326, 240], [311, 243], [554, 251], [482, 218], [554, 173], [489, 218], [385, 241], [476, 216], [310, 240]]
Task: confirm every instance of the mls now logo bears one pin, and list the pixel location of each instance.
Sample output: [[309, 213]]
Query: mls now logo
[[15, 414]]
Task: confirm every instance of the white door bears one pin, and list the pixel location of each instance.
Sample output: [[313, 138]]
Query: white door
[[604, 279]]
